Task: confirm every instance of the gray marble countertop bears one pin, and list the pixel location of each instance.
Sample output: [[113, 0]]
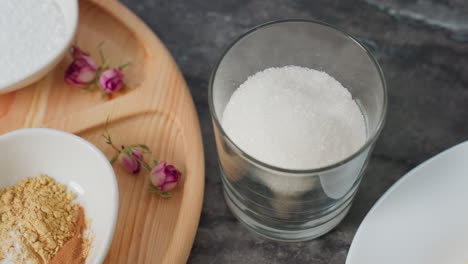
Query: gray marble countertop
[[421, 46]]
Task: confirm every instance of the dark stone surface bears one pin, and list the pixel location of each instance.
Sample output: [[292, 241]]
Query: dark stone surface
[[419, 44]]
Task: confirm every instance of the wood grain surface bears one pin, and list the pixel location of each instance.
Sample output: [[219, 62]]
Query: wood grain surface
[[157, 110]]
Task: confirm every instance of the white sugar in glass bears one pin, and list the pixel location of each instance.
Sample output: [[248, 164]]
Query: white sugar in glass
[[295, 118]]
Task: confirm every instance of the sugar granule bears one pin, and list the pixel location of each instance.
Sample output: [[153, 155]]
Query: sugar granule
[[32, 31], [295, 118]]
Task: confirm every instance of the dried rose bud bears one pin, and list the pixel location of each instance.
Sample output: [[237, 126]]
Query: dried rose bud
[[131, 163], [165, 177], [82, 70], [77, 52], [111, 80]]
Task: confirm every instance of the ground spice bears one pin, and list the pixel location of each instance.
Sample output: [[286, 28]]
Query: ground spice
[[37, 217], [73, 250]]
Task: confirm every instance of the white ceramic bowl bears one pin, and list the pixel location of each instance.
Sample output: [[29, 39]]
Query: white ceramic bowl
[[72, 161], [69, 9]]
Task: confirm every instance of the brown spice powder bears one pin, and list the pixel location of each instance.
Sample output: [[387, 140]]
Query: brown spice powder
[[37, 216], [72, 251], [40, 223]]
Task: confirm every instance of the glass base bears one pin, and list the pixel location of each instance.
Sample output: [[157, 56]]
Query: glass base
[[327, 223]]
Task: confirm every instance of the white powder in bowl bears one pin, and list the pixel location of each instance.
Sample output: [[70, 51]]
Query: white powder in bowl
[[30, 33], [294, 118]]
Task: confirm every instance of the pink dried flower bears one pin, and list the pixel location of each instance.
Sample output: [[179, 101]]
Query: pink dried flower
[[82, 70], [165, 177], [77, 52], [111, 80], [130, 159]]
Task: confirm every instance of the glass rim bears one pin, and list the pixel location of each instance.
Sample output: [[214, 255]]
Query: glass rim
[[369, 140]]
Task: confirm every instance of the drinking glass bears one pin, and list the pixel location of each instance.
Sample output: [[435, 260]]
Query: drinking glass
[[285, 204]]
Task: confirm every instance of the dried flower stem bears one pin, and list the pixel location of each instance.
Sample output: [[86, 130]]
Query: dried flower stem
[[108, 137], [163, 194]]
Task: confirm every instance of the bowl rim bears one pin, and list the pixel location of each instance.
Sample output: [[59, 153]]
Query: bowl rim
[[371, 138], [101, 255], [42, 69]]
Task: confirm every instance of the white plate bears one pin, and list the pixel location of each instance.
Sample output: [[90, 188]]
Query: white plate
[[421, 219]]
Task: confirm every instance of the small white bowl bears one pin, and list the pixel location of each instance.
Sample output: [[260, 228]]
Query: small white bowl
[[74, 162], [69, 9]]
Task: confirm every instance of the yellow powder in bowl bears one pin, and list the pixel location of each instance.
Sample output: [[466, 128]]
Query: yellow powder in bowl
[[37, 218]]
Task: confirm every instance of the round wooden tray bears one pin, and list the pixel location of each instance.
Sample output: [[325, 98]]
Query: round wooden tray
[[158, 111]]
